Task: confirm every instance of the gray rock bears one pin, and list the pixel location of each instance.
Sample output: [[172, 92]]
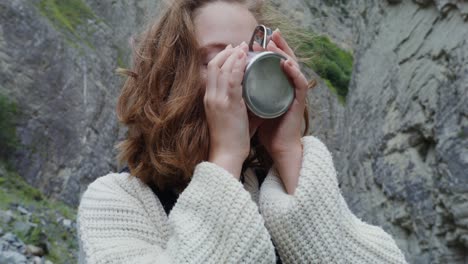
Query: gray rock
[[23, 227], [6, 217], [67, 223], [23, 210], [37, 260], [33, 250], [4, 245], [10, 238], [423, 2], [12, 257]]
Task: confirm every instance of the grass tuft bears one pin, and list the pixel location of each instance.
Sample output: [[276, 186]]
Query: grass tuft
[[329, 61]]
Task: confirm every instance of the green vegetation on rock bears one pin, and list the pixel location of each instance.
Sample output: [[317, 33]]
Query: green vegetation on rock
[[69, 14], [71, 17], [43, 224], [8, 138], [328, 60], [120, 57]]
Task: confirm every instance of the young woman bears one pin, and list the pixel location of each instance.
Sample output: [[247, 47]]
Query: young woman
[[191, 195]]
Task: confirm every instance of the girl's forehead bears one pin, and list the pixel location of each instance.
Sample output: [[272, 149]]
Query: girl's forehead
[[223, 23]]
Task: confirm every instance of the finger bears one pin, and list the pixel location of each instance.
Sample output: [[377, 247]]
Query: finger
[[272, 47], [257, 47], [244, 47], [213, 71], [225, 78], [230, 61], [235, 82], [220, 58], [282, 44], [298, 79]]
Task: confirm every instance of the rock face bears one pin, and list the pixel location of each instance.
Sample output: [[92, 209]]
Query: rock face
[[405, 141], [400, 143], [62, 77]]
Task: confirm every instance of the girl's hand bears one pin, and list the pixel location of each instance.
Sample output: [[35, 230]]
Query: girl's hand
[[226, 112], [282, 136]]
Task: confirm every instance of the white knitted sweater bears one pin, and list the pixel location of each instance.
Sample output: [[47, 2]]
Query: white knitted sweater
[[216, 219]]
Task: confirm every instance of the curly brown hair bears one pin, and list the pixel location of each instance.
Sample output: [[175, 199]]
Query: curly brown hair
[[162, 101]]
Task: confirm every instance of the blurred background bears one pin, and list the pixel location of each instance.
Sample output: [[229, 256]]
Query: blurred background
[[391, 105]]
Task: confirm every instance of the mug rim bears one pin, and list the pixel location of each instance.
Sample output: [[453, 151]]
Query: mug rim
[[252, 107]]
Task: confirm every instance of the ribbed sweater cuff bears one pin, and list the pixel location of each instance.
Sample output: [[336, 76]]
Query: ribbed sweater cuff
[[273, 194]]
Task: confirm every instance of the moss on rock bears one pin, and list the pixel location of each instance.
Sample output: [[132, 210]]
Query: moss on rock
[[68, 14], [8, 139], [329, 61], [71, 17]]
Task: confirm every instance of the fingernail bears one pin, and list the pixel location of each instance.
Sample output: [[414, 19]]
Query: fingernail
[[243, 43], [229, 46], [278, 30]]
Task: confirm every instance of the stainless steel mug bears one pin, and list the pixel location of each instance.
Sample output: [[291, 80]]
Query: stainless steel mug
[[267, 91]]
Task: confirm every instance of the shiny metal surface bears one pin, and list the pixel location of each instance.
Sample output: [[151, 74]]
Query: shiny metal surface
[[267, 91]]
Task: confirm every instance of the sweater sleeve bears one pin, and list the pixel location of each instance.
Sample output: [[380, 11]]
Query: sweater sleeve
[[213, 221], [315, 224]]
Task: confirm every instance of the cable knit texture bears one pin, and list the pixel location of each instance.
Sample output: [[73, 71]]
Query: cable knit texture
[[216, 220]]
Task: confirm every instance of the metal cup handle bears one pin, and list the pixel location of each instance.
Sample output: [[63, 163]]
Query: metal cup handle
[[261, 35]]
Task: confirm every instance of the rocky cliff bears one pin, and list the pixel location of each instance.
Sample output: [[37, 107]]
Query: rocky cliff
[[400, 142], [57, 61]]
